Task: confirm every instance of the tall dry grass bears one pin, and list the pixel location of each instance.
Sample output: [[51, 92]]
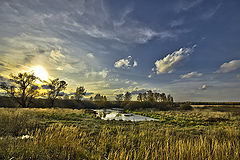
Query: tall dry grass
[[145, 142], [119, 140]]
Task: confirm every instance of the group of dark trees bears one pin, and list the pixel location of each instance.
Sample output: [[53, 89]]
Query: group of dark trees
[[149, 96], [99, 98], [154, 97], [124, 97], [148, 99], [25, 87], [55, 87], [21, 88]]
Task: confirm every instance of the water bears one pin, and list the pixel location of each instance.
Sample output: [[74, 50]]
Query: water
[[118, 114]]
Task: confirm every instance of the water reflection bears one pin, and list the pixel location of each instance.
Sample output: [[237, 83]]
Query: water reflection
[[118, 114]]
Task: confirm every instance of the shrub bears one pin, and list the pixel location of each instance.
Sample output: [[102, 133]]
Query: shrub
[[185, 106]]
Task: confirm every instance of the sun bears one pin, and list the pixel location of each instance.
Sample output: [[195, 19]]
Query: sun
[[40, 72]]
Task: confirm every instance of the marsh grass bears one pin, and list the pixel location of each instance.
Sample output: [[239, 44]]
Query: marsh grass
[[76, 134]]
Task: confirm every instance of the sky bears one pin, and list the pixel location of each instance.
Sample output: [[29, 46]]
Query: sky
[[187, 48]]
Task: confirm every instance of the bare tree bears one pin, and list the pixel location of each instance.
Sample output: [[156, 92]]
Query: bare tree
[[91, 99], [23, 88], [169, 98], [150, 96], [140, 97], [163, 97], [145, 96], [55, 86], [99, 98], [127, 96], [66, 97], [80, 92], [119, 97], [104, 98], [157, 97]]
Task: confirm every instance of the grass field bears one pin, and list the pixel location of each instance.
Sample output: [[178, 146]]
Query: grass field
[[78, 134]]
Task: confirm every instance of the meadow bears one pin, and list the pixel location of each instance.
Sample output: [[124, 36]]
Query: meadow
[[36, 133]]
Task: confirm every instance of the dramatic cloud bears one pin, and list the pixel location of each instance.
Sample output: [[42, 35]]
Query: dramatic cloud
[[103, 73], [134, 83], [168, 63], [131, 82], [229, 66], [185, 5], [137, 91], [125, 63], [211, 12], [122, 63], [203, 87], [88, 43], [127, 82], [191, 75], [4, 79], [176, 23], [100, 74], [56, 56], [135, 64], [90, 55]]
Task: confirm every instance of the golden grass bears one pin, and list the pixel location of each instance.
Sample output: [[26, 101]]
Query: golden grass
[[118, 140]]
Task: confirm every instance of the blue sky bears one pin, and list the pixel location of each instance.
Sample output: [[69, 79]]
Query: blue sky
[[188, 48]]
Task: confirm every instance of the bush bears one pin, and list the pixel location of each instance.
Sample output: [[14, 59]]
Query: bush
[[162, 106], [185, 106]]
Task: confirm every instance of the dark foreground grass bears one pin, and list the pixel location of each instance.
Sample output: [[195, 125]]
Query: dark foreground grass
[[77, 134]]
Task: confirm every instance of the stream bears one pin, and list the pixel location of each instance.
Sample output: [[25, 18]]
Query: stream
[[118, 114]]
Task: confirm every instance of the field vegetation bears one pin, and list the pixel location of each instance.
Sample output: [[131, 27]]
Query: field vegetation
[[40, 122], [35, 133]]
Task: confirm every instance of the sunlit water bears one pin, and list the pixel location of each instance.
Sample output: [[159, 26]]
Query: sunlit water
[[117, 114]]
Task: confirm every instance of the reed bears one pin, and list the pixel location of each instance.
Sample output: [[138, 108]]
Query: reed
[[115, 140]]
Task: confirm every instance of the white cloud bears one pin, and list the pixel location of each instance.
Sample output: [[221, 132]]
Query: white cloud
[[176, 23], [59, 68], [229, 66], [56, 56], [134, 83], [93, 74], [191, 75], [103, 73], [144, 35], [96, 21], [122, 63], [185, 5], [137, 90], [127, 82], [130, 82], [168, 63], [135, 64], [203, 87], [90, 55], [210, 13], [125, 63]]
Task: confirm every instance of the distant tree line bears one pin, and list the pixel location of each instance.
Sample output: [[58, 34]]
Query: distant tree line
[[149, 96], [124, 97], [154, 97], [24, 88]]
